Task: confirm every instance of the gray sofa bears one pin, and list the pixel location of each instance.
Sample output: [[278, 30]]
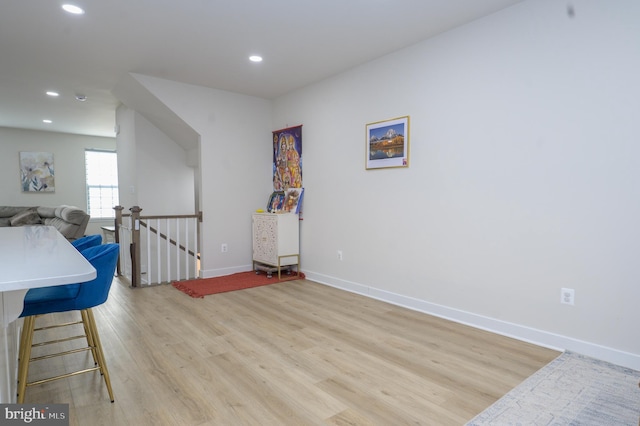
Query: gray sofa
[[70, 221]]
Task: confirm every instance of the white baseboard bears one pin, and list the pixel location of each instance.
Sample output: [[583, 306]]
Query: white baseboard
[[516, 331], [212, 273]]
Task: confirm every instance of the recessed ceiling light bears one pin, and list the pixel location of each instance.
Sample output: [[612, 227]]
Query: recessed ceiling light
[[54, 94], [255, 58], [73, 9], [47, 121], [81, 98]]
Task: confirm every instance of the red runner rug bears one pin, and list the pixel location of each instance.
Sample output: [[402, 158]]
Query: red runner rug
[[205, 286]]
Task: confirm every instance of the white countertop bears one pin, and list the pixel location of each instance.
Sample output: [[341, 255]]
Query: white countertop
[[39, 256]]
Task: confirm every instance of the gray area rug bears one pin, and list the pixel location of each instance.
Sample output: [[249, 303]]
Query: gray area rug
[[573, 389]]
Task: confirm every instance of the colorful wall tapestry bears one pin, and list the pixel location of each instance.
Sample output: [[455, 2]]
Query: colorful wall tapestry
[[36, 172], [287, 158]]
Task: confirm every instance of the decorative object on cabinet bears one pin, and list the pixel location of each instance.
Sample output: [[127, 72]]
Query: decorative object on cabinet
[[37, 172], [275, 241], [387, 143], [288, 201], [287, 158], [276, 201], [293, 200]]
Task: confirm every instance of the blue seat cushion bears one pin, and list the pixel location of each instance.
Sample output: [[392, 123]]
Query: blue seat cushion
[[58, 292], [72, 297], [49, 299], [85, 242]]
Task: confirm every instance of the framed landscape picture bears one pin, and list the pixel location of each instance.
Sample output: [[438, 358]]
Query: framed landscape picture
[[387, 143]]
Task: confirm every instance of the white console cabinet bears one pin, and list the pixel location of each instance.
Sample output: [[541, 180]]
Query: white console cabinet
[[276, 241]]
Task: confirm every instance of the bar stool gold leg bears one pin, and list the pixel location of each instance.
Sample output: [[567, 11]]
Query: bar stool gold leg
[[25, 355], [87, 333], [99, 352]]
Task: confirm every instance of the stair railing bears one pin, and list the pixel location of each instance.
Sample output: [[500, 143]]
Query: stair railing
[[157, 249]]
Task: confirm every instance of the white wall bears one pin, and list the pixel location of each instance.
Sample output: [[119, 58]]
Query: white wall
[[235, 167], [167, 186], [165, 181], [127, 157], [523, 176], [68, 156]]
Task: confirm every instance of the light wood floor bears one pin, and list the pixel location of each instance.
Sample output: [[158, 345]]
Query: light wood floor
[[295, 353]]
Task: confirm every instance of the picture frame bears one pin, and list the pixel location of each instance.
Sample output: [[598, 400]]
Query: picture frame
[[37, 172], [292, 200], [387, 143], [287, 158], [276, 202]]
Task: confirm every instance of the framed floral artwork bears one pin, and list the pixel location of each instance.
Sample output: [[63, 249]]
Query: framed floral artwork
[[37, 172]]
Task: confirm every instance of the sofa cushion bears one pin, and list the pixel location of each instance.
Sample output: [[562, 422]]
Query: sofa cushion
[[26, 217], [10, 211], [69, 230], [45, 212], [71, 214]]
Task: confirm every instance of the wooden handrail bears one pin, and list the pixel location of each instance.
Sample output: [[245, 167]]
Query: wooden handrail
[[177, 216]]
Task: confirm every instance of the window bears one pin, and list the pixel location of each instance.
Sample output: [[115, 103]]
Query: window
[[102, 183]]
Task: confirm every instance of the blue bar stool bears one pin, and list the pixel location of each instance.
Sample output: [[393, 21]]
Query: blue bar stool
[[85, 242], [71, 297]]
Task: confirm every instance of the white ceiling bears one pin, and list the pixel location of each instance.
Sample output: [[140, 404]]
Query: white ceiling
[[202, 42]]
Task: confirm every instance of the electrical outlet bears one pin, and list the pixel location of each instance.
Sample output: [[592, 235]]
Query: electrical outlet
[[567, 296], [339, 254], [224, 248]]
